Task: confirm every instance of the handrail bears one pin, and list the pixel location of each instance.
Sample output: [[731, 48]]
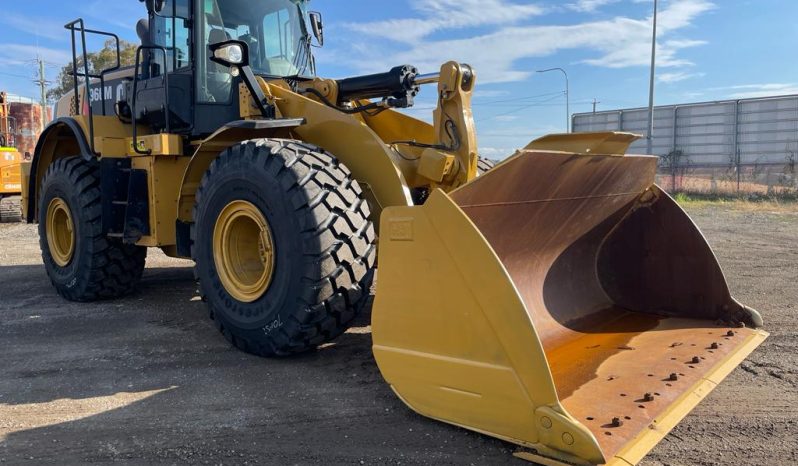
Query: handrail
[[74, 27]]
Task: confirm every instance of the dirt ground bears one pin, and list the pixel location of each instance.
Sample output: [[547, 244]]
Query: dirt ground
[[147, 379]]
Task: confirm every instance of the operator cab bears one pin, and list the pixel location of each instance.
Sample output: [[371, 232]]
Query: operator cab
[[175, 65]]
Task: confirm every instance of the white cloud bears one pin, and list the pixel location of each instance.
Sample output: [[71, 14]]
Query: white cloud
[[496, 153], [500, 142], [440, 15], [588, 6], [482, 93], [20, 54], [677, 76], [619, 42], [750, 91], [121, 15], [692, 95], [38, 27]]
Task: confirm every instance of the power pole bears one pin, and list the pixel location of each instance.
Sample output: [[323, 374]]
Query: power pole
[[595, 102], [42, 82], [650, 139]]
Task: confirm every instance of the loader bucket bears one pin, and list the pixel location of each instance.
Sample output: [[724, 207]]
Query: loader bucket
[[562, 302]]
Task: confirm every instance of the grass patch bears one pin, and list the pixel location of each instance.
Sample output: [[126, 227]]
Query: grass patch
[[783, 202]]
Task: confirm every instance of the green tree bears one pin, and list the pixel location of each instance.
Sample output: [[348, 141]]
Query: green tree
[[98, 61]]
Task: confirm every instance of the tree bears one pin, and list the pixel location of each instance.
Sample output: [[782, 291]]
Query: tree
[[98, 61]]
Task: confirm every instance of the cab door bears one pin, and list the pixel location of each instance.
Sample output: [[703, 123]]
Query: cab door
[[164, 87]]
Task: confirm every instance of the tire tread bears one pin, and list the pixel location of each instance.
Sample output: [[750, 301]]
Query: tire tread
[[338, 241], [114, 269]]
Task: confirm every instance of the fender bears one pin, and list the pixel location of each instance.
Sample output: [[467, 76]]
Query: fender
[[63, 137], [375, 165], [206, 152]]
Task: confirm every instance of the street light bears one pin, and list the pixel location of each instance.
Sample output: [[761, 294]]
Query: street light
[[650, 139], [567, 97]]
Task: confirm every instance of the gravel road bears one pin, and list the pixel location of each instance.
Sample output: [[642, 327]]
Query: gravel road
[[147, 379]]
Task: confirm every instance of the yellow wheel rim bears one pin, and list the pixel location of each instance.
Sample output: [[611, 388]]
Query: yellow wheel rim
[[243, 251], [60, 232]]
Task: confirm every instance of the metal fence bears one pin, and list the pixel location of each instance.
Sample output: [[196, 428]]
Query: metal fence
[[743, 145]]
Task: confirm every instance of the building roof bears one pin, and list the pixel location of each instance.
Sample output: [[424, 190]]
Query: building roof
[[15, 99]]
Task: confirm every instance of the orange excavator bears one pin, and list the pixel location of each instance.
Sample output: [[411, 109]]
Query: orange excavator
[[10, 163]]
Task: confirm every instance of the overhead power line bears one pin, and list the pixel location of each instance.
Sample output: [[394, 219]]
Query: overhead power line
[[525, 107], [516, 99]]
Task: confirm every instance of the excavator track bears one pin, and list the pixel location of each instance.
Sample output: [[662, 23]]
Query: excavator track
[[11, 209]]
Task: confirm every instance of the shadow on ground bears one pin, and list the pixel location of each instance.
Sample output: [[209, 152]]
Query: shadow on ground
[[147, 378]]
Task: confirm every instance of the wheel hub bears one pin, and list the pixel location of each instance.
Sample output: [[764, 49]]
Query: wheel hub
[[243, 251], [60, 232]]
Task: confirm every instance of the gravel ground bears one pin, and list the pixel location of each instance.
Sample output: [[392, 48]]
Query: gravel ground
[[147, 379]]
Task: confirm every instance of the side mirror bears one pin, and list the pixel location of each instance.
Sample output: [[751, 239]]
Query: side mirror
[[235, 54], [317, 24], [232, 53]]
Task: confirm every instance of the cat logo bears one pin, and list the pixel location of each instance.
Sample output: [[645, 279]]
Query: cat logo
[[141, 146]]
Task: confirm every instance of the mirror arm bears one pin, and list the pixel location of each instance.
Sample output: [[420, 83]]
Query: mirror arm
[[251, 81], [245, 71]]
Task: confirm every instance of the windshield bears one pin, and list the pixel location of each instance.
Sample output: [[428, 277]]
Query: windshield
[[275, 30]]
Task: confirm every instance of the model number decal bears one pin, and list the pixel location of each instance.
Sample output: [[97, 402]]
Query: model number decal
[[107, 93]]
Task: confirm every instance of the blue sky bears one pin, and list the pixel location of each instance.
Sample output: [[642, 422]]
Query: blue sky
[[709, 50]]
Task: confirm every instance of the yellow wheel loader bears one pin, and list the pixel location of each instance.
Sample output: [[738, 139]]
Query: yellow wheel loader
[[10, 173], [560, 301]]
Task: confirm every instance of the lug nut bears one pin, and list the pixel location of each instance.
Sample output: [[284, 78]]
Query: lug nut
[[648, 397], [674, 377], [730, 333], [714, 346], [695, 360], [616, 422]]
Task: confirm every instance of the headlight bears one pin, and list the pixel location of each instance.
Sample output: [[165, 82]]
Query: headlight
[[232, 54]]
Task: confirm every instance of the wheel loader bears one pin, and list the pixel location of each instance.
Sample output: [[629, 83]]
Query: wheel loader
[[10, 162], [561, 300]]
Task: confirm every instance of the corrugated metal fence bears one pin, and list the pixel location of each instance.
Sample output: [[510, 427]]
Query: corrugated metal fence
[[738, 135]]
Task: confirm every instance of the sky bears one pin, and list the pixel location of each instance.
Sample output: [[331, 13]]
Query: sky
[[707, 50]]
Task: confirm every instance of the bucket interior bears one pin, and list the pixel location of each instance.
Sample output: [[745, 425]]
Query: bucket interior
[[628, 300]]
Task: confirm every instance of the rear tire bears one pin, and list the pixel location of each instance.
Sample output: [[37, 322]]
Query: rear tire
[[320, 268], [86, 265]]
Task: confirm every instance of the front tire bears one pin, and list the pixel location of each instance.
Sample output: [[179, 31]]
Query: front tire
[[283, 247], [82, 262]]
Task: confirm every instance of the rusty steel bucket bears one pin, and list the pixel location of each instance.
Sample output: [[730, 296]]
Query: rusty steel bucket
[[562, 302]]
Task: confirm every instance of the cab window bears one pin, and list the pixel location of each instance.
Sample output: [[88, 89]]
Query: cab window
[[172, 33]]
